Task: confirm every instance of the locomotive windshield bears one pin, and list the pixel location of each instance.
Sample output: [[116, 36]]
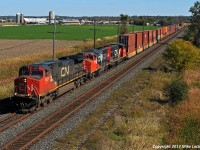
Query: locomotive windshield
[[24, 71], [90, 56]]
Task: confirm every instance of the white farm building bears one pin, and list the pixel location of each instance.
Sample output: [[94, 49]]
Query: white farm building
[[35, 20]]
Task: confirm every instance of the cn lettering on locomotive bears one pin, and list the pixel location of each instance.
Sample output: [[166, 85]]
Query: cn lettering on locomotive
[[64, 71]]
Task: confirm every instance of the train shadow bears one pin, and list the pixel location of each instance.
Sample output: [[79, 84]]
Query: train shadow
[[160, 101], [7, 106], [151, 69]]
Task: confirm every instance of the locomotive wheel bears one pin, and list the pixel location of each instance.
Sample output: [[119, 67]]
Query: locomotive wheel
[[50, 100], [76, 84], [82, 81], [91, 76]]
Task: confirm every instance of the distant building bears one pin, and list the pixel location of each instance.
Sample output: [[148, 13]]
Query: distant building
[[35, 20], [70, 21], [85, 21], [2, 20]]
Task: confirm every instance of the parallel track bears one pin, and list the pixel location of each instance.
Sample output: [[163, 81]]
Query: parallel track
[[11, 120], [81, 145], [38, 131]]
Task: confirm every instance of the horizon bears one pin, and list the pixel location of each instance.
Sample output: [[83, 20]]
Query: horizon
[[91, 8]]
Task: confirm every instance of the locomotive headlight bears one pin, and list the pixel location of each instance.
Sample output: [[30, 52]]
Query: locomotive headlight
[[24, 80]]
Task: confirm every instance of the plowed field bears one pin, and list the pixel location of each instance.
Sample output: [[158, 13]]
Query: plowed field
[[15, 48]]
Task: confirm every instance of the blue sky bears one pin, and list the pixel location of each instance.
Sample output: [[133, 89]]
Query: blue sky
[[97, 7]]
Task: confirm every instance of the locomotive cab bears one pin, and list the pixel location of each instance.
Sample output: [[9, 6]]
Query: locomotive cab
[[28, 80], [90, 63], [33, 83]]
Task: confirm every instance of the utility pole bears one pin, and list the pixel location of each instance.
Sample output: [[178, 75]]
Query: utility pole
[[54, 38], [94, 29], [133, 26], [118, 32], [94, 33]]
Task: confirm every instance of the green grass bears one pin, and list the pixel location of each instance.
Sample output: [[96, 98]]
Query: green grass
[[189, 133], [66, 32]]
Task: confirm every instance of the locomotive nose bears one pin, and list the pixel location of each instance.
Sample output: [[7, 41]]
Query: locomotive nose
[[21, 86]]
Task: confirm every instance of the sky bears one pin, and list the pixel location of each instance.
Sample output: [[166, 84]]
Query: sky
[[80, 8]]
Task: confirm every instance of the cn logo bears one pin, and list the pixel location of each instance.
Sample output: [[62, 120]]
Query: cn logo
[[64, 71]]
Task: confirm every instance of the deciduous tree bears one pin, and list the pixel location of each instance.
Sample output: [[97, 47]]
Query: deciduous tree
[[181, 54], [194, 28], [124, 21]]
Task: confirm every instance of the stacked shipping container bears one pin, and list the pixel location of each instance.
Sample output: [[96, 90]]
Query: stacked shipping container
[[150, 37], [139, 41], [145, 39], [129, 41]]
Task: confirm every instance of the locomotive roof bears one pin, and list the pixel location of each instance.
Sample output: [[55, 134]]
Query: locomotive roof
[[46, 64], [77, 57]]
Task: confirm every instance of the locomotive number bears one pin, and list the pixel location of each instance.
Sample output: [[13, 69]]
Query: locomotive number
[[64, 71]]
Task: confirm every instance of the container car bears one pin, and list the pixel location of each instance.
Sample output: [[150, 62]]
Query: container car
[[129, 41], [150, 38], [139, 42], [145, 39]]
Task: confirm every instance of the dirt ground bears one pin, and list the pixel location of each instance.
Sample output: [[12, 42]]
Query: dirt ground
[[15, 48]]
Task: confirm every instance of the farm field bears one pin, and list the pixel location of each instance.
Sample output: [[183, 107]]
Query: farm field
[[18, 41], [15, 48], [65, 32]]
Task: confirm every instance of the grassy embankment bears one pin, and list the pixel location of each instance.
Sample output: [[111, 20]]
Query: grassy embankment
[[146, 117]]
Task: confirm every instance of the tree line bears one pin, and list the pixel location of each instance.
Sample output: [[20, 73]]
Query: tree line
[[193, 33]]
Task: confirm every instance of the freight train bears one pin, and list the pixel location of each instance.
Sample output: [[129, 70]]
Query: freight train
[[40, 83]]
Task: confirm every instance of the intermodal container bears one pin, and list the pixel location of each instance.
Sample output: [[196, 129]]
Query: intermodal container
[[145, 39], [154, 37], [158, 34], [167, 31], [129, 41], [172, 29], [150, 37], [139, 41], [164, 32]]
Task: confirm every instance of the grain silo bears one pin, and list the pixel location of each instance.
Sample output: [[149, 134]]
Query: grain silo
[[22, 18], [51, 17], [18, 18]]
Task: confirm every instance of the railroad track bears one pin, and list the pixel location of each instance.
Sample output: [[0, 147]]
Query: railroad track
[[39, 130], [10, 120], [93, 131]]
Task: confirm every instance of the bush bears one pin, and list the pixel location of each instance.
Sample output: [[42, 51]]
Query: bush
[[181, 55], [177, 91]]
